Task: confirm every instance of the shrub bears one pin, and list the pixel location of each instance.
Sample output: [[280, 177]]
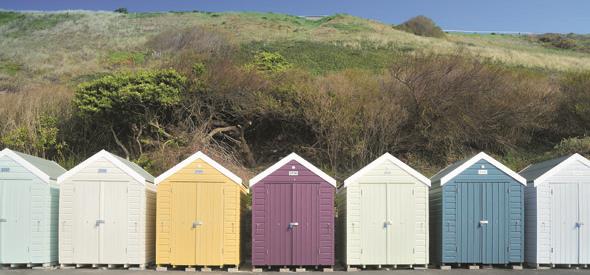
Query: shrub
[[557, 41], [121, 10], [130, 105], [422, 26], [573, 145], [574, 113], [269, 62]]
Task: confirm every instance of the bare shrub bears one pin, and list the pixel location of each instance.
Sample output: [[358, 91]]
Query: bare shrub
[[197, 40]]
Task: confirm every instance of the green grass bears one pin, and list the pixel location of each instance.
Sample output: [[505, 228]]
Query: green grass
[[126, 58], [25, 25], [9, 16], [319, 58], [10, 68]]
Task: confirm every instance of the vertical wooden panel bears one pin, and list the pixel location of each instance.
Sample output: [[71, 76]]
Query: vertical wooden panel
[[16, 212], [163, 223], [401, 233], [584, 220], [183, 215], [210, 232], [85, 230], [112, 232], [373, 230], [280, 244], [564, 239]]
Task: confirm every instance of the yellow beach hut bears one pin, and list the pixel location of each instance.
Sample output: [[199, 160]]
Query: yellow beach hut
[[199, 206]]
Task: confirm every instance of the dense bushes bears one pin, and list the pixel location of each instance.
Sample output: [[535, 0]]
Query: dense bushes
[[426, 108], [422, 26]]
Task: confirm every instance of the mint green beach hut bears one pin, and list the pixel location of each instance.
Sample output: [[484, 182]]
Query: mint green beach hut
[[29, 199]]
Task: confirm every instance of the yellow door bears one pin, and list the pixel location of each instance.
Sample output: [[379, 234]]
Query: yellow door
[[209, 249], [184, 211]]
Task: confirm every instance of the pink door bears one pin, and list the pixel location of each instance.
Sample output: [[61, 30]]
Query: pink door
[[279, 207], [305, 227]]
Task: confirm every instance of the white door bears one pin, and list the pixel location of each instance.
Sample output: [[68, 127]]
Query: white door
[[113, 222], [15, 221], [584, 223], [564, 223], [86, 222], [373, 223], [401, 220]]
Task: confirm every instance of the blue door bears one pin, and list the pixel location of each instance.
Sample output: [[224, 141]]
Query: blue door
[[481, 222]]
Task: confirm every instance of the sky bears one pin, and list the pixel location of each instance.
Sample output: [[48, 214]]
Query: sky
[[537, 16]]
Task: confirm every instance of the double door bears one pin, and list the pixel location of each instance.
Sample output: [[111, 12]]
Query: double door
[[294, 223], [197, 223], [15, 221], [388, 225], [100, 231], [483, 222], [570, 223]]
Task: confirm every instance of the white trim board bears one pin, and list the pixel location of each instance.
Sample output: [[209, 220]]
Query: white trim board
[[286, 160], [387, 157], [575, 157], [193, 158], [108, 156], [477, 158], [27, 165]]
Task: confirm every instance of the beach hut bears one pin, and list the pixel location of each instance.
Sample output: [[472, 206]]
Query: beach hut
[[107, 213], [199, 208], [292, 215], [29, 199], [383, 215], [477, 214], [557, 225]]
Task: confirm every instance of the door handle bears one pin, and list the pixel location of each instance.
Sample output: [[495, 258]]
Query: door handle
[[388, 223], [197, 223], [579, 224], [98, 222], [293, 224], [3, 220], [483, 222]]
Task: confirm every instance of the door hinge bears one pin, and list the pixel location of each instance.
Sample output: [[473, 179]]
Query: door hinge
[[267, 252], [361, 192], [508, 249], [361, 251], [125, 250], [413, 250], [551, 191], [552, 250], [222, 251], [412, 191]]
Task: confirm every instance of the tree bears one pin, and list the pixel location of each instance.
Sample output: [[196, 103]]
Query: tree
[[130, 105], [423, 26], [122, 10]]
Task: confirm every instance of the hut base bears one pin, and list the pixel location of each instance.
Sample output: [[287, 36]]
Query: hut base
[[29, 265], [385, 267], [195, 268], [105, 266]]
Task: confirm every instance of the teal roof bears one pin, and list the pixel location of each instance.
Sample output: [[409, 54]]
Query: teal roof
[[52, 169], [136, 168], [536, 170]]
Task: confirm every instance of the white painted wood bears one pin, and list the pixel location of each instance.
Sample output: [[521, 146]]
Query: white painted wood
[[477, 158], [123, 207], [584, 220], [373, 224], [286, 160], [205, 158], [86, 238], [564, 230], [407, 211]]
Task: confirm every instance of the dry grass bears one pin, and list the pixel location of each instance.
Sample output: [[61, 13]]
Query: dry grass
[[79, 44]]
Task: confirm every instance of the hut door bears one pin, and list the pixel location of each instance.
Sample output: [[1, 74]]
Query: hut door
[[86, 214], [305, 224], [280, 213], [209, 224], [469, 222], [564, 219], [15, 221], [493, 223], [401, 223], [584, 223], [183, 215], [113, 222], [373, 226]]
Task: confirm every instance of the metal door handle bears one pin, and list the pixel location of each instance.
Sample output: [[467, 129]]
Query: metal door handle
[[98, 222], [293, 224], [579, 224], [483, 222], [388, 223], [197, 223], [3, 220]]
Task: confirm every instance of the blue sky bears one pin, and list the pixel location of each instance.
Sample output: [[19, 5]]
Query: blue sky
[[474, 15]]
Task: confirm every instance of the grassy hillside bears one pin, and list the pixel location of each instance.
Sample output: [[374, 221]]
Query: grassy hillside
[[60, 46], [340, 90]]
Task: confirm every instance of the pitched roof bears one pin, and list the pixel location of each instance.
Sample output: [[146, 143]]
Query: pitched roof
[[286, 160], [45, 169], [539, 172], [456, 168], [394, 160], [205, 158], [128, 167]]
